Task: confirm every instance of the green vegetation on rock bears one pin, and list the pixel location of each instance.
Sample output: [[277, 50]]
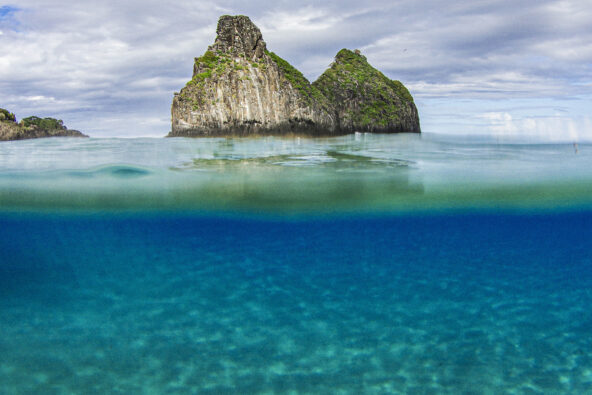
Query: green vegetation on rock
[[364, 96], [208, 64], [43, 123], [297, 79], [240, 88], [6, 115], [402, 91], [208, 59], [214, 64], [32, 127]]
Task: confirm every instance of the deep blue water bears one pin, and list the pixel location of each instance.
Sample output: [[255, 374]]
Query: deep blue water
[[473, 302], [357, 264]]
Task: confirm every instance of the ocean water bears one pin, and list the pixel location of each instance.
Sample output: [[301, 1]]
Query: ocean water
[[358, 264]]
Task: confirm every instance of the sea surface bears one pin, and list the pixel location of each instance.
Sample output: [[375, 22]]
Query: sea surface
[[359, 264]]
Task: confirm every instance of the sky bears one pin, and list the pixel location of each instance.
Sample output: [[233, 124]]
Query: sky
[[509, 68]]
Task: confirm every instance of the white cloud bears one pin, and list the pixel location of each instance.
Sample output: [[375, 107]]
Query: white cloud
[[305, 19], [556, 128], [102, 59], [106, 66]]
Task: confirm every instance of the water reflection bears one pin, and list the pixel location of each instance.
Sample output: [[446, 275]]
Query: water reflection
[[355, 172]]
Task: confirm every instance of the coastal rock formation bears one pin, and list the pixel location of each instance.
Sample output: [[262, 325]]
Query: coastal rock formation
[[32, 128], [365, 99], [240, 88]]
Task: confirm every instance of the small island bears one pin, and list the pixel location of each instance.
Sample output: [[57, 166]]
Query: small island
[[32, 127], [239, 88]]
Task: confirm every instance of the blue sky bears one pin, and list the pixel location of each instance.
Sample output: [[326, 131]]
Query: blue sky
[[6, 11], [498, 67]]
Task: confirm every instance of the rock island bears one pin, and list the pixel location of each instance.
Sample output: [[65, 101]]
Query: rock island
[[32, 127], [239, 88]]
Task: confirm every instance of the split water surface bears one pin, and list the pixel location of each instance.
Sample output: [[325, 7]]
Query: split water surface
[[358, 264]]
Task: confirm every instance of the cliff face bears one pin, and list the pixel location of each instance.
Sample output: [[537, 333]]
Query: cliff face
[[32, 128], [240, 88], [365, 99]]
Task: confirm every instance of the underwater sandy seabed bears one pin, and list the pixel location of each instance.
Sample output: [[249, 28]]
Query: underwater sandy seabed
[[473, 302]]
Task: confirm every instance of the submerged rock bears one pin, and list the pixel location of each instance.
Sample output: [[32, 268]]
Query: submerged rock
[[32, 128], [240, 88]]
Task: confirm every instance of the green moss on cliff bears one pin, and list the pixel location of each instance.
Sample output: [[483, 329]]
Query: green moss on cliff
[[402, 91], [208, 60], [298, 80], [211, 64], [208, 66], [368, 96]]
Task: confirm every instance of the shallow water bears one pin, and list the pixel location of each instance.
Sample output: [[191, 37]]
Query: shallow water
[[362, 264], [357, 173]]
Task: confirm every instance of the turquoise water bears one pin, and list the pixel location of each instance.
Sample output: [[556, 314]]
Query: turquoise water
[[356, 173], [359, 264]]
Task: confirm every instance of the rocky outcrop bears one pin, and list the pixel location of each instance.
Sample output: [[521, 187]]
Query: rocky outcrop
[[365, 99], [240, 88], [32, 128]]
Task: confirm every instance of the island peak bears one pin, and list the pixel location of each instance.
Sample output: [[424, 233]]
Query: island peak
[[239, 36], [365, 99], [240, 88]]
